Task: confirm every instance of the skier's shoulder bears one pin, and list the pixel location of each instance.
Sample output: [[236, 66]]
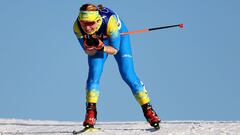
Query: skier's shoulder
[[112, 26]]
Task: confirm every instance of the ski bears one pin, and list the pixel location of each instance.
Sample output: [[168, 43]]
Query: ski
[[85, 130]]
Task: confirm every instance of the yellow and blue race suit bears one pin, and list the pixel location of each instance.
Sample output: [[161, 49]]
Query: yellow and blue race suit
[[111, 25]]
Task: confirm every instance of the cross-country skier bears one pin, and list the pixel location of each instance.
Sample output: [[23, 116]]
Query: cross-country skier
[[93, 24]]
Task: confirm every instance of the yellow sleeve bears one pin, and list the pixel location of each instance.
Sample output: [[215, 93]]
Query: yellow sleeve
[[77, 30], [112, 27]]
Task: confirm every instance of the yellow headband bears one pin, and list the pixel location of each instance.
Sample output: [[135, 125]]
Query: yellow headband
[[88, 15]]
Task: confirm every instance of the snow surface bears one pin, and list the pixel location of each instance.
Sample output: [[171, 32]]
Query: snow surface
[[40, 127]]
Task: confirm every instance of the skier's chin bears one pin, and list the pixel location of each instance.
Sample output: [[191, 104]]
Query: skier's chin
[[90, 31]]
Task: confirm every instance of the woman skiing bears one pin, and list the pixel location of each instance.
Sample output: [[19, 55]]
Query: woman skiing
[[98, 30]]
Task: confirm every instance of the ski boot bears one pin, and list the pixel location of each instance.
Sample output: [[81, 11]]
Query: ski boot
[[151, 116], [91, 115]]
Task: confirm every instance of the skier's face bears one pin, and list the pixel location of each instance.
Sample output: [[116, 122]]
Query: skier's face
[[89, 26]]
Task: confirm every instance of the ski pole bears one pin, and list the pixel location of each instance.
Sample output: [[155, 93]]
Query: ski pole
[[147, 30], [151, 29]]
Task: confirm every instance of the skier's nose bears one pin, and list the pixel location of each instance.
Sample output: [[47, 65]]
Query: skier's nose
[[88, 28]]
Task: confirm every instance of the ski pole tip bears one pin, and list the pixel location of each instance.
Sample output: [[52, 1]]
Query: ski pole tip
[[181, 25]]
